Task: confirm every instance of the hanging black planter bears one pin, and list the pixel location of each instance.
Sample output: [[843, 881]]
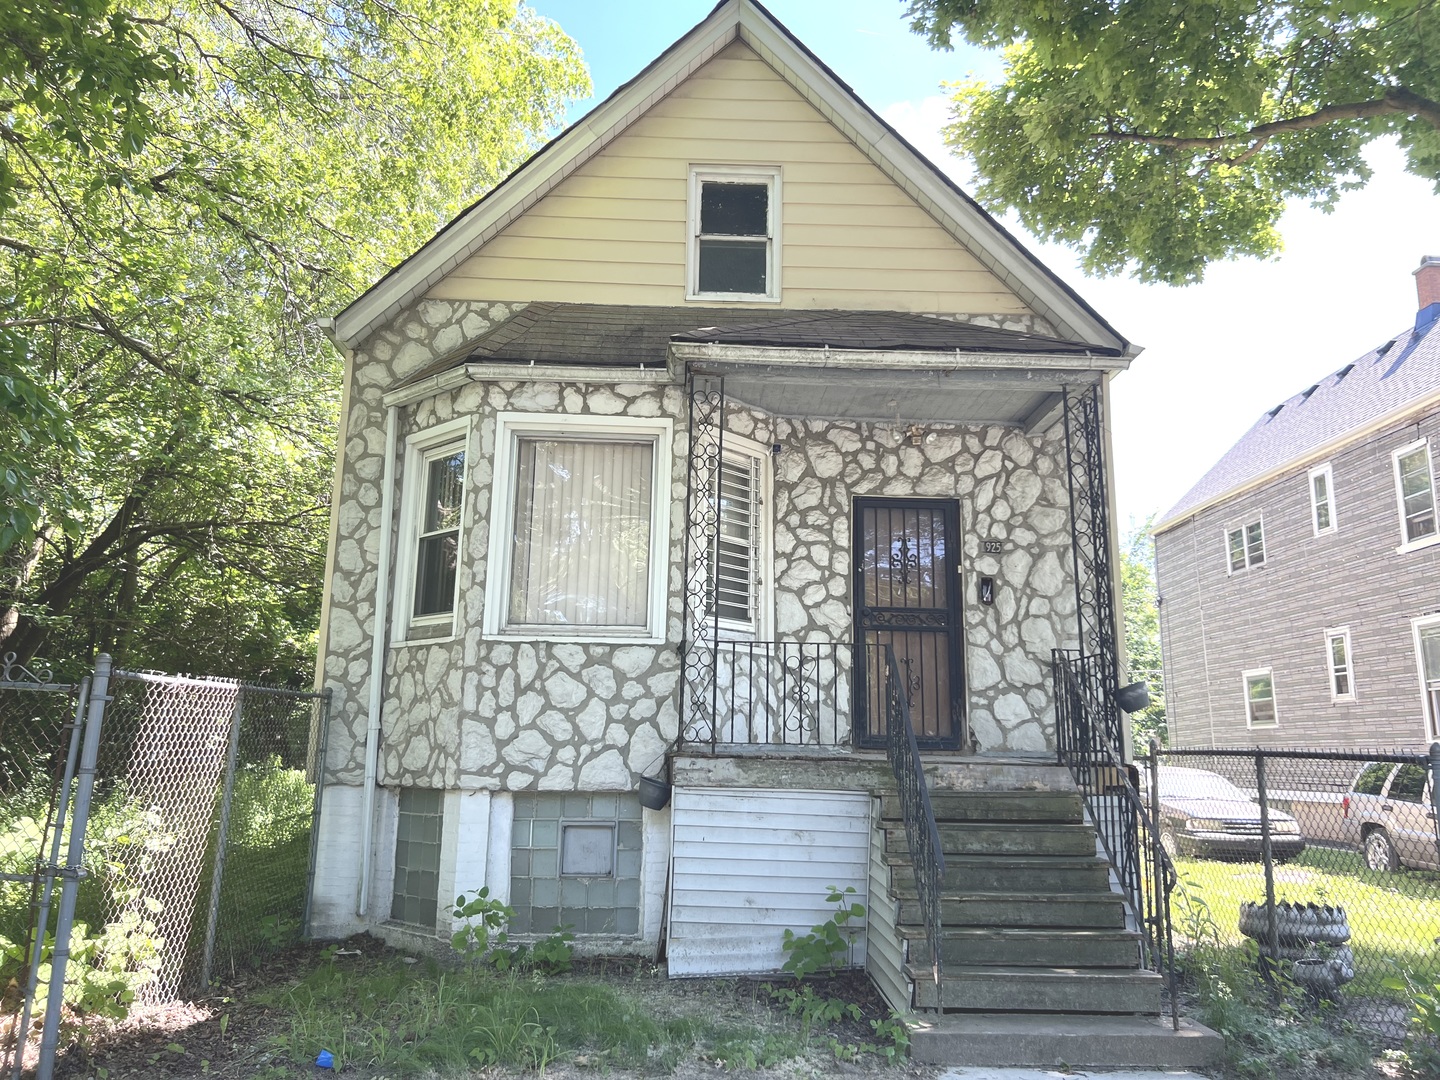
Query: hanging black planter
[[654, 794], [1134, 697]]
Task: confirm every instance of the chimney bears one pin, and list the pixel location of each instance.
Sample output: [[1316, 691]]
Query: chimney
[[1427, 288]]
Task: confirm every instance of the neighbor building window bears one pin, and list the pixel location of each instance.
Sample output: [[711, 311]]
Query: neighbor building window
[[741, 584], [1259, 699], [1322, 499], [1337, 659], [1416, 490], [578, 544], [1427, 653], [432, 520], [1245, 546], [734, 236]]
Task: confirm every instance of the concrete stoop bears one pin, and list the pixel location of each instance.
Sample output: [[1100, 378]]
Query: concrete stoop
[[1074, 1042]]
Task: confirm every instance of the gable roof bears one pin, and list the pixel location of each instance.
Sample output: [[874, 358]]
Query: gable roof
[[1381, 385], [747, 21]]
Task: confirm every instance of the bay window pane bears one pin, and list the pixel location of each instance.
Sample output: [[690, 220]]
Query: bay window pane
[[582, 533], [439, 541]]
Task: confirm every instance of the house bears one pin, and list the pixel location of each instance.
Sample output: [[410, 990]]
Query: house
[[727, 444], [1299, 580]]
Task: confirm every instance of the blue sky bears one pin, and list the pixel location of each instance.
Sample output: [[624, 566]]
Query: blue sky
[[1217, 355]]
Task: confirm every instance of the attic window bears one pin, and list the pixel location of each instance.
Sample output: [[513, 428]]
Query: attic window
[[734, 235]]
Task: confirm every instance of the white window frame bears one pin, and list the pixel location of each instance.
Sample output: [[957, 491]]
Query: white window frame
[[1242, 529], [509, 427], [1245, 677], [1342, 632], [733, 174], [1430, 720], [1329, 475], [420, 449], [761, 627], [1406, 544]]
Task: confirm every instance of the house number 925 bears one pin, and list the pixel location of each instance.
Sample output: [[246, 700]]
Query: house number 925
[[993, 547]]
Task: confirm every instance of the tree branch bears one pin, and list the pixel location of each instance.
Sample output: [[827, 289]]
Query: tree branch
[[1398, 100]]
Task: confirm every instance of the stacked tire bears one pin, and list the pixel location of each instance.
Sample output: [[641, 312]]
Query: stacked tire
[[1311, 938]]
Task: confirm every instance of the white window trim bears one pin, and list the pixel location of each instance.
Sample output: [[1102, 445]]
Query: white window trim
[[1395, 456], [770, 176], [1242, 527], [508, 427], [1330, 635], [1329, 474], [763, 627], [1245, 677], [1429, 725], [419, 449]]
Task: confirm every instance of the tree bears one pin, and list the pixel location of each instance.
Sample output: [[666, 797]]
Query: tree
[[1156, 138], [168, 405], [1139, 600]]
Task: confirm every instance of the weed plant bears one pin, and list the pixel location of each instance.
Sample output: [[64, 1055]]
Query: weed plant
[[1264, 1025]]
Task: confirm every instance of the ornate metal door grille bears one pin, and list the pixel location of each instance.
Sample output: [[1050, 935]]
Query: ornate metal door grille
[[906, 598]]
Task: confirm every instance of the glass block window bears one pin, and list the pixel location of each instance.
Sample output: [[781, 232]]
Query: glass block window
[[575, 861], [417, 857]]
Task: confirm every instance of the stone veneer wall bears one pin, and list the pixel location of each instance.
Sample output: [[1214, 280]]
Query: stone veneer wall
[[468, 713]]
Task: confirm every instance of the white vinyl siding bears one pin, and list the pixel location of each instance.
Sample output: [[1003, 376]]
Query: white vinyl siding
[[615, 231], [1322, 499], [1339, 664], [1415, 492], [1245, 546], [750, 864]]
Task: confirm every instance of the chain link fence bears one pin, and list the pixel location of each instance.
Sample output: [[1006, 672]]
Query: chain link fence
[[188, 842], [1324, 864]]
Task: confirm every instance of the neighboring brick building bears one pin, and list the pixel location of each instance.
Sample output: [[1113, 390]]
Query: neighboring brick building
[[1299, 579]]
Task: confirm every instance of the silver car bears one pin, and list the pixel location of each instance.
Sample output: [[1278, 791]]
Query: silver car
[[1389, 813]]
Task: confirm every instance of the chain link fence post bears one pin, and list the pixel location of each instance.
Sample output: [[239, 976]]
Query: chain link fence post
[[74, 866], [232, 753]]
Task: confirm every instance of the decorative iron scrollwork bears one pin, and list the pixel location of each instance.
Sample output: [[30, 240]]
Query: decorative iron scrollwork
[[904, 561], [11, 670], [910, 618]]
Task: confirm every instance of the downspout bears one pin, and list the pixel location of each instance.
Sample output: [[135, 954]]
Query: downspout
[[377, 656]]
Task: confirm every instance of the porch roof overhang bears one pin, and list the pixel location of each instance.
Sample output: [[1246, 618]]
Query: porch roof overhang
[[1023, 390]]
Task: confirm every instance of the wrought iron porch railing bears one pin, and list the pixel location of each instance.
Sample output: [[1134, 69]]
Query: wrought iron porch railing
[[1089, 748], [921, 833], [768, 693]]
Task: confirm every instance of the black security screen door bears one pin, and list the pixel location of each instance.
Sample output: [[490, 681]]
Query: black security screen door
[[907, 596]]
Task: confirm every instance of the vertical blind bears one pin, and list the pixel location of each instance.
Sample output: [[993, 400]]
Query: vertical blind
[[582, 533]]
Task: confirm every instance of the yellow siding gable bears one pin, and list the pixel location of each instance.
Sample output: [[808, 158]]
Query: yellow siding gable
[[614, 232]]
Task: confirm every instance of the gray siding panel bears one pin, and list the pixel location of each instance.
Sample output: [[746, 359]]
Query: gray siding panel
[[1215, 625]]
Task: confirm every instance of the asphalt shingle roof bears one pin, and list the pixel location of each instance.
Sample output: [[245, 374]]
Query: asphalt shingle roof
[[600, 335], [1402, 370]]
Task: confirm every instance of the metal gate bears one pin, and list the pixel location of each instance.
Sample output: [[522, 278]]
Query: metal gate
[[187, 837]]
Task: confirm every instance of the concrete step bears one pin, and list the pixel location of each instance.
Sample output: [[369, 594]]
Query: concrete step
[[1076, 1042], [991, 838], [1030, 947], [1056, 806], [1062, 873], [1086, 911], [973, 988]]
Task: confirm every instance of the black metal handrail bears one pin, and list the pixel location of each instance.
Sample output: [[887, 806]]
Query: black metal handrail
[[921, 833], [1121, 817]]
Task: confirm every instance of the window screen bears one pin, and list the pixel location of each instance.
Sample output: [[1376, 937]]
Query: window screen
[[734, 238]]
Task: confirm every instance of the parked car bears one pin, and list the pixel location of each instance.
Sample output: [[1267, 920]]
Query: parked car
[[1203, 815], [1389, 813]]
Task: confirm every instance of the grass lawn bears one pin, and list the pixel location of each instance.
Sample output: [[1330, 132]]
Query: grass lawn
[[1394, 918]]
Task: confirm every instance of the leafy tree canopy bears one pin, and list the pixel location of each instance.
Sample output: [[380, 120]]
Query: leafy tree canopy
[[1140, 603], [1156, 137], [185, 187]]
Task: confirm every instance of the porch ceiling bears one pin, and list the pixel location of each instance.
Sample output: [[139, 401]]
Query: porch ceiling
[[1027, 399]]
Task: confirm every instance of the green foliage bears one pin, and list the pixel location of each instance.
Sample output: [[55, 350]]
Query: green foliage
[[185, 188], [1422, 1041], [1140, 601], [827, 945], [1158, 142], [483, 921]]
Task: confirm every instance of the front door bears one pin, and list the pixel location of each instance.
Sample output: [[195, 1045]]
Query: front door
[[907, 596]]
